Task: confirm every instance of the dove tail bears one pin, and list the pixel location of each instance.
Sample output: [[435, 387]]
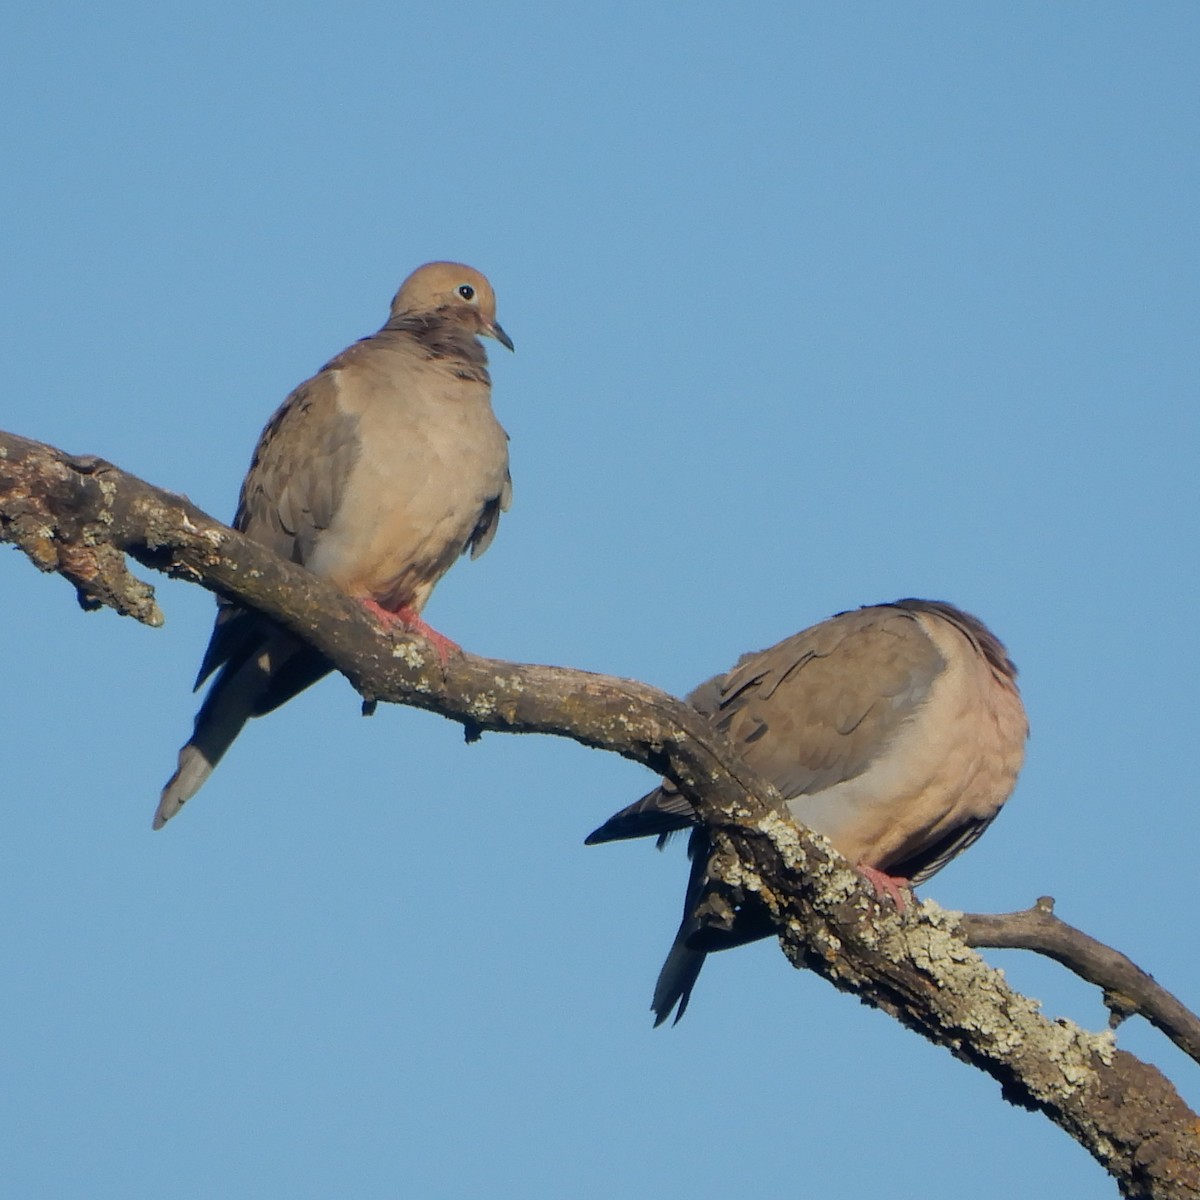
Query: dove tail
[[682, 968], [188, 779], [678, 976], [659, 813], [230, 703], [244, 688]]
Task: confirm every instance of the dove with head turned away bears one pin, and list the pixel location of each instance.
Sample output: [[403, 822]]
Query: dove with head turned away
[[896, 731]]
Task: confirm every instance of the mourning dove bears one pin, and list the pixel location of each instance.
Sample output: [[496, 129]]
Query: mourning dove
[[897, 731], [375, 474]]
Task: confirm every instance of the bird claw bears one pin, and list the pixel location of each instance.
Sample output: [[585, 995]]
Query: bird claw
[[407, 618], [885, 884]]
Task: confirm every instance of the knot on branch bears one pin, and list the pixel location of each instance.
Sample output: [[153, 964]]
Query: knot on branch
[[58, 510]]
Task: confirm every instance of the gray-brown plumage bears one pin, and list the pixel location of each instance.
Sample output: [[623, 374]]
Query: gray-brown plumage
[[376, 474], [897, 731]]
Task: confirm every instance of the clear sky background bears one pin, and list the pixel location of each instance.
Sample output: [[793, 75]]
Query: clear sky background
[[814, 306]]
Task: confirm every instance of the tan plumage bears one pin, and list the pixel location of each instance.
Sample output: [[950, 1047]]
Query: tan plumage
[[897, 731], [376, 474]]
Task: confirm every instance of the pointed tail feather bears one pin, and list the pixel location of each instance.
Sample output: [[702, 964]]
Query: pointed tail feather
[[229, 705], [678, 976], [682, 968], [659, 813], [235, 696]]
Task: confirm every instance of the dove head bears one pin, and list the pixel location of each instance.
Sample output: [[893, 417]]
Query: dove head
[[454, 292]]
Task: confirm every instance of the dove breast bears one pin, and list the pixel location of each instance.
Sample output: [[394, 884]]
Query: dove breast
[[431, 463]]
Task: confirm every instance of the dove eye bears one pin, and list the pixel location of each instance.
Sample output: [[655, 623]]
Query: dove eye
[[466, 291]]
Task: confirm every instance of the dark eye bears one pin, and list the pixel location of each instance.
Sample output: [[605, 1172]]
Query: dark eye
[[466, 291]]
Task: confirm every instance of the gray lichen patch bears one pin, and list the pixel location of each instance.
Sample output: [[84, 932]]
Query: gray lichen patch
[[975, 997], [837, 881], [409, 653], [482, 705], [970, 997], [109, 490]]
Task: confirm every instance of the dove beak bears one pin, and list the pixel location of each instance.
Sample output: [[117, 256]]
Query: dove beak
[[494, 330]]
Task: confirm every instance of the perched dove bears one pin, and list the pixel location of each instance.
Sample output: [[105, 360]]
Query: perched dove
[[376, 474], [896, 731]]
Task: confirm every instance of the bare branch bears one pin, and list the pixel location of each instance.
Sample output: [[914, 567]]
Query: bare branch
[[79, 516], [1127, 988]]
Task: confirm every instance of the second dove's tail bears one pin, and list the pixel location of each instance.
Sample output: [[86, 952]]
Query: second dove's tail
[[678, 975], [682, 968], [700, 934]]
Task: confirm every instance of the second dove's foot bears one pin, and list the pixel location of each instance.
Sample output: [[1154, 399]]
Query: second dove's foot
[[885, 884]]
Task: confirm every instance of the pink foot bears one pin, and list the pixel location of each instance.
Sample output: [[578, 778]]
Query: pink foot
[[885, 884], [409, 619]]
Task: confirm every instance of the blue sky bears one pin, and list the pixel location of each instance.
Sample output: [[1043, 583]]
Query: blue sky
[[814, 306]]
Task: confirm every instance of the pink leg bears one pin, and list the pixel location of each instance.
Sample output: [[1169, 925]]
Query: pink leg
[[409, 619], [885, 884]]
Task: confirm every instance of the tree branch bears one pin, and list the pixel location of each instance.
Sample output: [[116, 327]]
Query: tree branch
[[80, 517], [1127, 988]]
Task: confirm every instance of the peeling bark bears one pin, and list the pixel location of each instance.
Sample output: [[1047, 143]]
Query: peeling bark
[[80, 517]]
